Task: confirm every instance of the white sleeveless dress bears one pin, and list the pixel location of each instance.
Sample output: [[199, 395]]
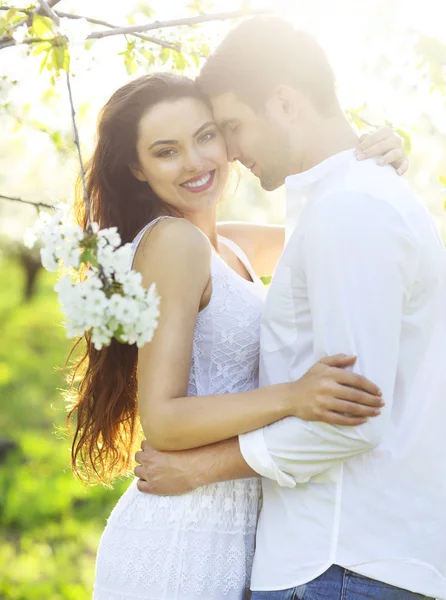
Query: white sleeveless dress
[[198, 546]]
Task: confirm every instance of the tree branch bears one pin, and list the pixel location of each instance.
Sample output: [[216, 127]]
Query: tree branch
[[46, 9], [153, 40], [37, 205], [137, 29], [189, 21]]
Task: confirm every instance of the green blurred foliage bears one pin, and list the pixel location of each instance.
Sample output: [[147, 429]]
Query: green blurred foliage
[[50, 523]]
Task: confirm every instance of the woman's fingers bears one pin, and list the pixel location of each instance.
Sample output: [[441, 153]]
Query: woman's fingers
[[378, 149], [393, 157], [403, 167], [384, 134], [385, 144], [353, 380]]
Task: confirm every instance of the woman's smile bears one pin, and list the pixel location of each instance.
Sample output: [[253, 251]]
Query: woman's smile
[[200, 183]]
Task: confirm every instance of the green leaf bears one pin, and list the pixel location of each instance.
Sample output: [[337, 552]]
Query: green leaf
[[196, 59], [130, 63], [41, 47], [60, 59], [4, 26], [407, 142], [14, 16], [89, 258], [45, 59], [42, 27], [164, 55], [11, 14], [147, 55], [266, 279], [179, 61]]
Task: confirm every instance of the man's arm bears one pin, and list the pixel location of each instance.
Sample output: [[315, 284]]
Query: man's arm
[[359, 258]]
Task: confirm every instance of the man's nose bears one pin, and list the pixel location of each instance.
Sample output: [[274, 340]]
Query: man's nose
[[232, 150]]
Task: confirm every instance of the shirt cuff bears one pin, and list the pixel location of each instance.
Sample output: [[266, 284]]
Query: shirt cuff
[[255, 452]]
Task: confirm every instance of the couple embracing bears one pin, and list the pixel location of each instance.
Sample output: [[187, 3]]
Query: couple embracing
[[295, 439]]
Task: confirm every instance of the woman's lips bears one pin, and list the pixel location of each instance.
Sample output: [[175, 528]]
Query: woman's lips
[[201, 183]]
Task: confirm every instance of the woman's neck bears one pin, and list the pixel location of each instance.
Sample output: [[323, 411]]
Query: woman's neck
[[207, 222]]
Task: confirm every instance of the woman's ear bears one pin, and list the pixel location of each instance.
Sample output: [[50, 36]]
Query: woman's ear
[[137, 172]]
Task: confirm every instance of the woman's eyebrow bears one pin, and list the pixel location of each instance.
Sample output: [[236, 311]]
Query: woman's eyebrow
[[166, 142], [207, 124]]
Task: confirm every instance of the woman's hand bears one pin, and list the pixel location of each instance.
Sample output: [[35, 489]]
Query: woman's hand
[[329, 393], [386, 144]]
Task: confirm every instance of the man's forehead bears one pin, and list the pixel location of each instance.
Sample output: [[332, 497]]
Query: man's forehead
[[227, 107]]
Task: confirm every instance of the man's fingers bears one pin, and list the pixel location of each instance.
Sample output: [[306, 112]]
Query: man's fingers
[[354, 395], [338, 360], [353, 380], [145, 445], [352, 408], [143, 486], [139, 471], [138, 456], [337, 419]]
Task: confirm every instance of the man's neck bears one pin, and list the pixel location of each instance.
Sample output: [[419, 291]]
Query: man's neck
[[328, 137]]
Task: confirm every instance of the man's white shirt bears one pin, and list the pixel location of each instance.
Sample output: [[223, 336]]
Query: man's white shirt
[[363, 273]]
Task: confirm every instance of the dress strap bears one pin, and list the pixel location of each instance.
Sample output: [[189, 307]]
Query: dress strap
[[139, 236], [240, 255]]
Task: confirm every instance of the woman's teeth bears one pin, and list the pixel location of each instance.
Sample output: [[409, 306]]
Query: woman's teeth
[[203, 181]]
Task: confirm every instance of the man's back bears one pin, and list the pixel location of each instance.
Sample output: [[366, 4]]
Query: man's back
[[363, 273]]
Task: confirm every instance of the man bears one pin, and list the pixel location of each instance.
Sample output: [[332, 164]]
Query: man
[[354, 512]]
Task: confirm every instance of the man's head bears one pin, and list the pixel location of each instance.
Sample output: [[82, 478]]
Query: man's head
[[268, 83]]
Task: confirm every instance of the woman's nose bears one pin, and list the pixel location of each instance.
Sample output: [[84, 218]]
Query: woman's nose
[[194, 161]]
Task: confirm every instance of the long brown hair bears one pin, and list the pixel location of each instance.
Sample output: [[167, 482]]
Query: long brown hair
[[103, 383]]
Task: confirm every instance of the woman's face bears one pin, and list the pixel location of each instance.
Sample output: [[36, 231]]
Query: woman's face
[[182, 155]]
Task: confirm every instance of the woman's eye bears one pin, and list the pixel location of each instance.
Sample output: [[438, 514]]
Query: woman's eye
[[207, 136], [166, 153]]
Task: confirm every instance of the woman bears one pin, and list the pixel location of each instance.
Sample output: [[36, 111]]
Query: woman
[[157, 173]]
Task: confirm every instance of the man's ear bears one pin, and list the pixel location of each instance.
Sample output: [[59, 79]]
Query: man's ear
[[283, 104], [137, 172]]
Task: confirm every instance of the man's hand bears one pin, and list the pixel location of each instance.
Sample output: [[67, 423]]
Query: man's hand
[[166, 473]]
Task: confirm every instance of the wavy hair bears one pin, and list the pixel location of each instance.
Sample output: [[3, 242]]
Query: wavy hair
[[102, 396]]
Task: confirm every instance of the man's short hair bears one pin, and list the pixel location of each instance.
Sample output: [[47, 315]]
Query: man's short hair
[[266, 51]]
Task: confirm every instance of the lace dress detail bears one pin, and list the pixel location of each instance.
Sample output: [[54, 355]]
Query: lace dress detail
[[198, 546]]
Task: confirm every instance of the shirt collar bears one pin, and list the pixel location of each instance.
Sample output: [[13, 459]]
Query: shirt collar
[[302, 187], [301, 181]]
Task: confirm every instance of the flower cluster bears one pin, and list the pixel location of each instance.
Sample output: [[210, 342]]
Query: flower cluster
[[98, 291]]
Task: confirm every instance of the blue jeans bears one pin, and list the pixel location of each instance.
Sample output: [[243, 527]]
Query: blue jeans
[[340, 584]]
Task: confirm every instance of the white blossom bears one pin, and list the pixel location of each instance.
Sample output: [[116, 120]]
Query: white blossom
[[75, 30], [107, 299], [20, 33]]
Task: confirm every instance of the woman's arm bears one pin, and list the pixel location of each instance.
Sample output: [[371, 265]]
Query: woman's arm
[[176, 255], [263, 244]]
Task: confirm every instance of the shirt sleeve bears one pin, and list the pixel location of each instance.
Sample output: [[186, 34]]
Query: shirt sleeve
[[359, 259]]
